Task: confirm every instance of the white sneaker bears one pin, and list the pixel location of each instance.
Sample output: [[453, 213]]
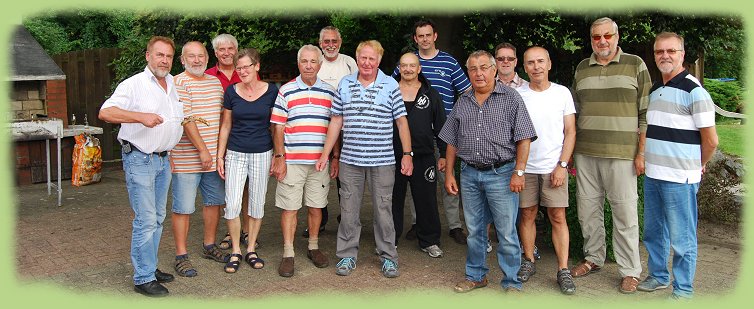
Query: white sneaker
[[433, 251]]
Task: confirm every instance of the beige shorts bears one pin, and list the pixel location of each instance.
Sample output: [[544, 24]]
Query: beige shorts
[[537, 191], [303, 183]]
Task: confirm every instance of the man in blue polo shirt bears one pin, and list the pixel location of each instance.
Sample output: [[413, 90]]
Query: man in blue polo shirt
[[370, 102], [446, 76]]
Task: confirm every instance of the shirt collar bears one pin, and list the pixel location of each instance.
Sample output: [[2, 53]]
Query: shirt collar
[[168, 77], [616, 59], [677, 79], [302, 85]]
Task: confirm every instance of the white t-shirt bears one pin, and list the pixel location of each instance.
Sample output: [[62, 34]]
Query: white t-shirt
[[332, 72], [546, 109]]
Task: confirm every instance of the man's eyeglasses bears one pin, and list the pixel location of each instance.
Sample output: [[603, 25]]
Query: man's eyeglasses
[[484, 68], [244, 68], [503, 59], [671, 52], [607, 36]]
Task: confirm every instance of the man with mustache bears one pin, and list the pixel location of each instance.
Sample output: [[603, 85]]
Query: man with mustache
[[611, 92], [505, 57], [681, 139], [446, 76], [193, 159], [147, 107]]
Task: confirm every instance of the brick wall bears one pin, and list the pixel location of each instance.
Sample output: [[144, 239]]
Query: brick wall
[[48, 98]]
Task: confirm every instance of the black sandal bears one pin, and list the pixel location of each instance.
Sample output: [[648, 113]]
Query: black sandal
[[245, 240], [253, 259], [232, 266], [225, 243]]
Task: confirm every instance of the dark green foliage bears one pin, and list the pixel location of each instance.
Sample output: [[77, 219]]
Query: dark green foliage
[[77, 30], [727, 95], [576, 251]]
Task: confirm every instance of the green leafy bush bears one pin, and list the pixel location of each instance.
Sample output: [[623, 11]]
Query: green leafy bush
[[727, 95]]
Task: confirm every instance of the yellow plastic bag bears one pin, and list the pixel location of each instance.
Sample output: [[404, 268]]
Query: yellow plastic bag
[[87, 160]]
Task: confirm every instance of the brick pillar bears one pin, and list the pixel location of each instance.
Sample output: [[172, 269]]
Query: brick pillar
[[57, 103]]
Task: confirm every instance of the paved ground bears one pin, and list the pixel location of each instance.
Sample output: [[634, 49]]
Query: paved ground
[[83, 247]]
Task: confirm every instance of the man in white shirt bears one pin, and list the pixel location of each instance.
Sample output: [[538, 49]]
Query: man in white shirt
[[552, 111], [147, 106]]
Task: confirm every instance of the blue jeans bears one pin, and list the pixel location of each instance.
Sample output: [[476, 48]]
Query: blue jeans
[[670, 220], [487, 198], [147, 180]]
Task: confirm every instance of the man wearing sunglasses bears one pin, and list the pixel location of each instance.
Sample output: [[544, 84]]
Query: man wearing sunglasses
[[505, 58], [611, 92]]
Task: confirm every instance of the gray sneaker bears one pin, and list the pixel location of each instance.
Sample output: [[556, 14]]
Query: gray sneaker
[[650, 284], [433, 251], [527, 270], [345, 267], [389, 268], [565, 281]]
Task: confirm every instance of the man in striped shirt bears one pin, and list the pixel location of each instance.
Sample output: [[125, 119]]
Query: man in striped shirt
[[301, 115], [611, 93], [446, 76], [681, 139], [370, 102], [193, 159]]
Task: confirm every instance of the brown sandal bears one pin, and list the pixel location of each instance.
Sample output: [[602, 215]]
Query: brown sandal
[[584, 268], [628, 285]]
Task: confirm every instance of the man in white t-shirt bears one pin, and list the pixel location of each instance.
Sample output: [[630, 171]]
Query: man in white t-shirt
[[552, 111]]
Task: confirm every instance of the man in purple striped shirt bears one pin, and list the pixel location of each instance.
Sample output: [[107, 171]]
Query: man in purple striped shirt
[[490, 130]]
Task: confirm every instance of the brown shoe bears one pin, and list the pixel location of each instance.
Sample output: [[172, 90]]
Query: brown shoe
[[468, 285], [458, 236], [286, 267], [628, 285], [318, 258], [584, 268]]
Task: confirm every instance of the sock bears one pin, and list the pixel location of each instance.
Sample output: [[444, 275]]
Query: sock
[[313, 243], [208, 247], [287, 250], [181, 257]]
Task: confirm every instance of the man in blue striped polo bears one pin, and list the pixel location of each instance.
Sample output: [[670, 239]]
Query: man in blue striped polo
[[370, 102], [681, 139], [446, 76]]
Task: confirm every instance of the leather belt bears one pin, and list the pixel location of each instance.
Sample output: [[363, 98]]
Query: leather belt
[[128, 147], [487, 167]]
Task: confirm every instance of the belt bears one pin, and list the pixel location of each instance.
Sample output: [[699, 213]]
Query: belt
[[128, 147], [487, 167]]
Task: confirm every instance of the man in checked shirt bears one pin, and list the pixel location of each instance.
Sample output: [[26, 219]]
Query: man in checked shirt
[[490, 130]]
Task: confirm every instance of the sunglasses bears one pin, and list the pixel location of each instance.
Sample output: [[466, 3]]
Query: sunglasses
[[503, 59], [607, 36], [672, 52]]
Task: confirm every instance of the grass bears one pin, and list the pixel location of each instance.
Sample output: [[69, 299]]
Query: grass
[[731, 137]]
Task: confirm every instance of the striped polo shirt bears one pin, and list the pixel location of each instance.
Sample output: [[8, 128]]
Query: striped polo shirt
[[611, 101], [305, 112], [445, 75], [676, 112], [368, 116], [201, 97]]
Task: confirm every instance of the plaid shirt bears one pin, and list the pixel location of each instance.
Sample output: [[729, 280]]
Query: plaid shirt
[[488, 134]]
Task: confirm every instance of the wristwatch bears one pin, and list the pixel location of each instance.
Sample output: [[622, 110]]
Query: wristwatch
[[519, 172], [280, 155], [563, 164], [408, 153]]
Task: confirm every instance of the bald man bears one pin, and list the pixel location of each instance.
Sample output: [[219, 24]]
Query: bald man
[[426, 117], [552, 112]]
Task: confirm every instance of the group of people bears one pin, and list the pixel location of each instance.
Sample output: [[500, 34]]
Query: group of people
[[224, 131]]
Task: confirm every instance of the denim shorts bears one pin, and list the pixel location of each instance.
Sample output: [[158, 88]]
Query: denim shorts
[[184, 187]]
